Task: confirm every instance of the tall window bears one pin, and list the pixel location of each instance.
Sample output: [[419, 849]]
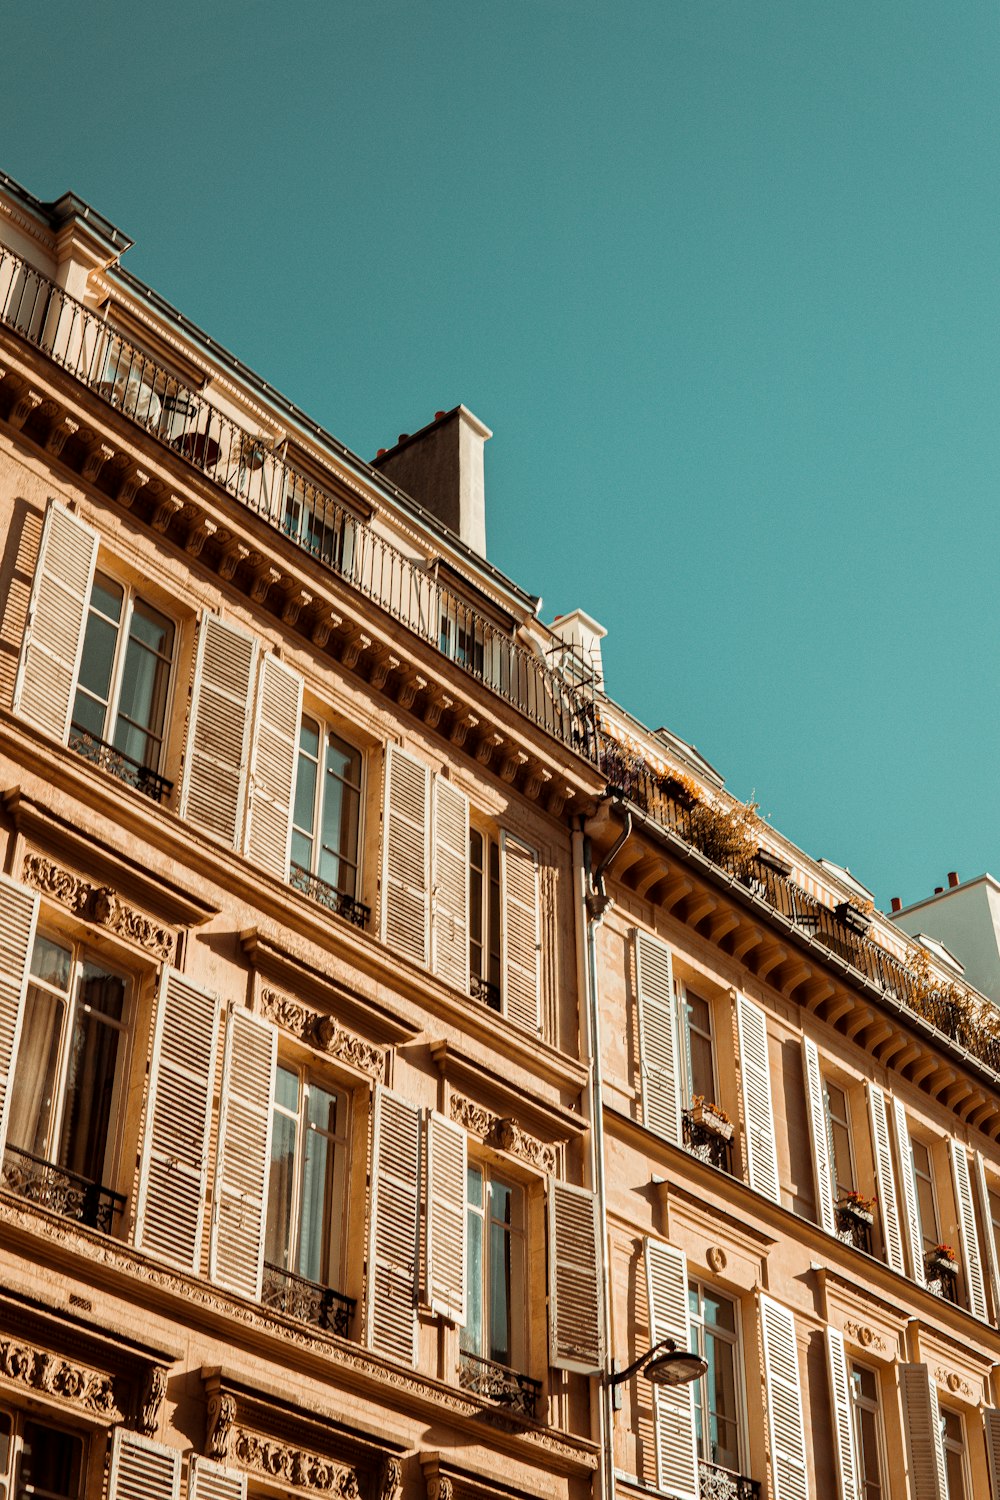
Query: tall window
[[953, 1439], [462, 636], [327, 816], [717, 1396], [319, 525], [497, 1293], [699, 1064], [838, 1119], [484, 917], [924, 1176], [307, 1187], [867, 1432], [43, 1461]]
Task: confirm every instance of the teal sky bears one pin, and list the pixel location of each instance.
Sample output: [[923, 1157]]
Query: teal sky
[[722, 275]]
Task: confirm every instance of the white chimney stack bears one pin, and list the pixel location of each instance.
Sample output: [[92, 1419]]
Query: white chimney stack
[[582, 636]]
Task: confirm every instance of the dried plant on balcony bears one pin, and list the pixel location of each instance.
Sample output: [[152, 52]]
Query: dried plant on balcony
[[728, 833], [855, 1202]]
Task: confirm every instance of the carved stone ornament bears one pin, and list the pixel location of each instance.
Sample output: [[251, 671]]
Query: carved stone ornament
[[503, 1132], [39, 1371], [152, 1398], [309, 1471], [390, 1485], [324, 1032], [954, 1382], [440, 1488], [97, 903], [865, 1336], [221, 1416], [717, 1258]]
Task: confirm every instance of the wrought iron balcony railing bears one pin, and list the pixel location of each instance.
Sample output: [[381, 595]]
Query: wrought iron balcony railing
[[259, 477], [99, 753], [328, 895], [707, 1145], [64, 1192], [722, 1484], [484, 1377], [853, 1228], [489, 994], [307, 1301]]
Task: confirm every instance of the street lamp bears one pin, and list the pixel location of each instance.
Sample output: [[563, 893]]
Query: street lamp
[[664, 1364]]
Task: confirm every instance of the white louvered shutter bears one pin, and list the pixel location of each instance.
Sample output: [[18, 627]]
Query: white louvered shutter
[[986, 1218], [210, 1481], [991, 1422], [244, 1153], [904, 1156], [406, 855], [450, 885], [142, 1469], [971, 1258], [658, 1059], [521, 933], [885, 1178], [575, 1327], [175, 1148], [819, 1135], [784, 1401], [391, 1317], [922, 1417], [18, 918], [267, 837], [755, 1073], [215, 763], [447, 1216], [53, 637], [843, 1417], [673, 1405]]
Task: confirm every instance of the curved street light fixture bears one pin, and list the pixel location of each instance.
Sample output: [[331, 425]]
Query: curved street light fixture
[[664, 1364]]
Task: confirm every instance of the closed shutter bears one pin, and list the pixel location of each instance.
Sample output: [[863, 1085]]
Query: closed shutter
[[820, 1136], [784, 1402], [391, 1319], [843, 1417], [991, 1420], [575, 1326], [658, 1060], [521, 933], [244, 1152], [142, 1469], [405, 855], [673, 1405], [268, 834], [755, 1073], [210, 1481], [922, 1417], [175, 1149], [992, 1260], [450, 901], [447, 1214], [215, 768], [885, 1178], [904, 1156], [53, 638], [18, 916], [971, 1259]]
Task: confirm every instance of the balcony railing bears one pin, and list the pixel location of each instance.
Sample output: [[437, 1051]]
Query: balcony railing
[[328, 895], [259, 477], [307, 1301], [707, 1144], [722, 1484], [484, 1377], [488, 994], [64, 1192], [99, 753], [853, 1228]]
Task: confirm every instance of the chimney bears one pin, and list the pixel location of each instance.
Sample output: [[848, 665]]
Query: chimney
[[583, 636], [953, 879], [895, 904], [441, 466]]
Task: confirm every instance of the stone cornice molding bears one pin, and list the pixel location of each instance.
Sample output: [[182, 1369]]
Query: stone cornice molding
[[37, 1370], [323, 1032], [98, 904], [504, 1133]]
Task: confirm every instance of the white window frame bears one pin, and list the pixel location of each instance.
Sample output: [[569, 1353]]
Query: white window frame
[[327, 728], [927, 1242], [696, 1321], [848, 1125], [949, 1445], [488, 1175], [864, 1403], [491, 848], [684, 1027], [17, 1418]]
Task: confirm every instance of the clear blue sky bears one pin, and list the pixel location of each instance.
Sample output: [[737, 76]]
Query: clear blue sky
[[722, 275]]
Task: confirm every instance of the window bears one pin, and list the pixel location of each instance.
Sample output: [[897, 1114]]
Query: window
[[462, 635], [495, 1323], [327, 815], [953, 1442], [924, 1178], [484, 917], [44, 1461], [717, 1396], [306, 1185], [867, 1433], [67, 1087], [838, 1118], [698, 1062], [318, 524], [121, 697], [993, 1228]]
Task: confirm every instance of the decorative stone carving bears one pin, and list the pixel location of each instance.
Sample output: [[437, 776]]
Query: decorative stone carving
[[221, 1416], [296, 600], [131, 482], [58, 435], [503, 1132], [486, 746], [717, 1258], [324, 1032], [22, 409], [439, 1487], [232, 555], [97, 903], [94, 460], [460, 726], [382, 664], [390, 1486], [434, 707], [40, 1371], [151, 1399], [954, 1382], [263, 580], [310, 1471], [862, 1334], [323, 623], [164, 513], [202, 531], [408, 688], [351, 646]]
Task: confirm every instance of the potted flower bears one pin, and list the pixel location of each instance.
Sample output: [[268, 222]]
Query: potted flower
[[941, 1260], [856, 1207], [711, 1117]]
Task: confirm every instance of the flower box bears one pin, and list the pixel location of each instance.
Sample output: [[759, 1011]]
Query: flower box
[[711, 1118], [941, 1264], [847, 1208]]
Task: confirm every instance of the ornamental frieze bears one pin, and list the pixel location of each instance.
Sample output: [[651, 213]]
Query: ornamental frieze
[[307, 1471], [97, 903], [503, 1132], [323, 1031], [39, 1371], [863, 1334]]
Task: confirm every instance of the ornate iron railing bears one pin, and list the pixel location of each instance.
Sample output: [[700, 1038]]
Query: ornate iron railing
[[484, 1377], [307, 1301], [482, 990], [942, 1278], [64, 1192], [722, 1484], [853, 1228], [707, 1144], [328, 895], [256, 474], [130, 771]]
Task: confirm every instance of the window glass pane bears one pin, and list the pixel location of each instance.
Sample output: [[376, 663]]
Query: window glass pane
[[720, 1311], [722, 1395], [102, 991], [699, 1014], [286, 1088], [107, 597], [343, 761], [281, 1180], [494, 915], [98, 658], [152, 629], [475, 1187], [90, 1090], [51, 963], [35, 1075], [321, 1109], [50, 1462], [309, 738], [315, 1206], [472, 1333], [142, 705], [500, 1295]]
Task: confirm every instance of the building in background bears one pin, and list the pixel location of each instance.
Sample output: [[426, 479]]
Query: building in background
[[963, 920]]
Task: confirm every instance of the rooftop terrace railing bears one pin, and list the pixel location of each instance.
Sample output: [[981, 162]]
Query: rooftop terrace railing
[[256, 473]]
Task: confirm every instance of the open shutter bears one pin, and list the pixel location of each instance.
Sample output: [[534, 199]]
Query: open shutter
[[18, 918], [53, 638], [575, 1326], [521, 932], [244, 1153], [676, 1453], [268, 833], [175, 1148], [843, 1418], [820, 1136], [912, 1216], [986, 1219], [210, 1481], [784, 1401], [391, 1317], [885, 1178], [922, 1417], [215, 765], [142, 1469], [447, 1216], [971, 1259], [755, 1073], [405, 855], [658, 1060], [991, 1420], [450, 884]]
